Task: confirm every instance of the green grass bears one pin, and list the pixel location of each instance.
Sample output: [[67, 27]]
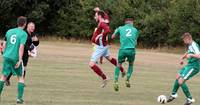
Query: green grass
[[60, 76]]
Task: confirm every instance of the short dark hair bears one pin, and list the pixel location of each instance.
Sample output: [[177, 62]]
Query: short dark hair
[[101, 13], [21, 21], [186, 34], [129, 18]]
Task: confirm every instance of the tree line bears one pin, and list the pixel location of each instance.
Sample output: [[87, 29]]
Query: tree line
[[160, 22]]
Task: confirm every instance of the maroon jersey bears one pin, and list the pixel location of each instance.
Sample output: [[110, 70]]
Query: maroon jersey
[[103, 29]]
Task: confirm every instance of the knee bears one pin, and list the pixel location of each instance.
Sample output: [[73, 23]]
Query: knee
[[109, 58], [91, 64], [180, 81], [21, 79]]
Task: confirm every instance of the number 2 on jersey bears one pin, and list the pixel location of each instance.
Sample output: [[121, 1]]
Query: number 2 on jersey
[[128, 33], [13, 39]]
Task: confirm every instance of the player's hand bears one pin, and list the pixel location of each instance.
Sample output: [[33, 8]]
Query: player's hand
[[18, 64], [181, 62], [29, 53], [96, 9]]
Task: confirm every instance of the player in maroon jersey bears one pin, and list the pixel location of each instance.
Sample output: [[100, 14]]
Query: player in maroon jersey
[[101, 47]]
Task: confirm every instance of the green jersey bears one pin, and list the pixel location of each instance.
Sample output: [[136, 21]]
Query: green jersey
[[14, 37], [193, 49], [128, 36]]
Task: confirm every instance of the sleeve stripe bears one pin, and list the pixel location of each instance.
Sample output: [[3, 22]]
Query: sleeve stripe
[[195, 48]]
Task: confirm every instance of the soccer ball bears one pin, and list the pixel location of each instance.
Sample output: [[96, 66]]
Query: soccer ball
[[162, 99]]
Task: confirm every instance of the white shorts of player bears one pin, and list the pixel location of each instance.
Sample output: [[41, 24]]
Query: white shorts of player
[[100, 51]]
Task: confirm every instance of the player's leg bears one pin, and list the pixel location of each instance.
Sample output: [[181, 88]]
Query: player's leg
[[25, 63], [116, 77], [129, 74], [19, 72], [97, 70], [189, 73], [24, 73], [95, 56], [121, 59], [20, 89], [176, 86], [101, 60], [130, 54], [114, 62], [7, 81], [6, 70], [185, 74], [2, 81]]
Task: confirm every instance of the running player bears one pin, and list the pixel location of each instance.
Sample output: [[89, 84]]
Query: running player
[[30, 46], [128, 40], [106, 18], [101, 47], [12, 56], [188, 71]]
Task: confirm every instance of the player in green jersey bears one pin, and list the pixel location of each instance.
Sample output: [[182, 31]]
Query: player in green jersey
[[128, 35], [188, 71], [13, 49]]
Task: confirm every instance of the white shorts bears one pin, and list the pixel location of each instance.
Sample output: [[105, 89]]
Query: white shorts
[[100, 51]]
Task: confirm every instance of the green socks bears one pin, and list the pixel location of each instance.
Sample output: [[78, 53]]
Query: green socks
[[117, 71], [129, 72], [1, 86], [176, 87], [186, 90], [20, 90]]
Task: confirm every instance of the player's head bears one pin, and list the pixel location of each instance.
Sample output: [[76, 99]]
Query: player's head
[[107, 11], [21, 21], [128, 20], [100, 16], [187, 38], [31, 27]]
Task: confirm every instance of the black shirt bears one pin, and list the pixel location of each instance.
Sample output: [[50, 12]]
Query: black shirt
[[28, 45]]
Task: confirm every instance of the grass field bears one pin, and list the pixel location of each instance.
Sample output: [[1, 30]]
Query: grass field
[[60, 76]]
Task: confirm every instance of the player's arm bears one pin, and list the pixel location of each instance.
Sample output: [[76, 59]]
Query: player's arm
[[105, 32], [3, 45], [182, 58], [106, 29], [21, 50], [115, 33], [193, 56]]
